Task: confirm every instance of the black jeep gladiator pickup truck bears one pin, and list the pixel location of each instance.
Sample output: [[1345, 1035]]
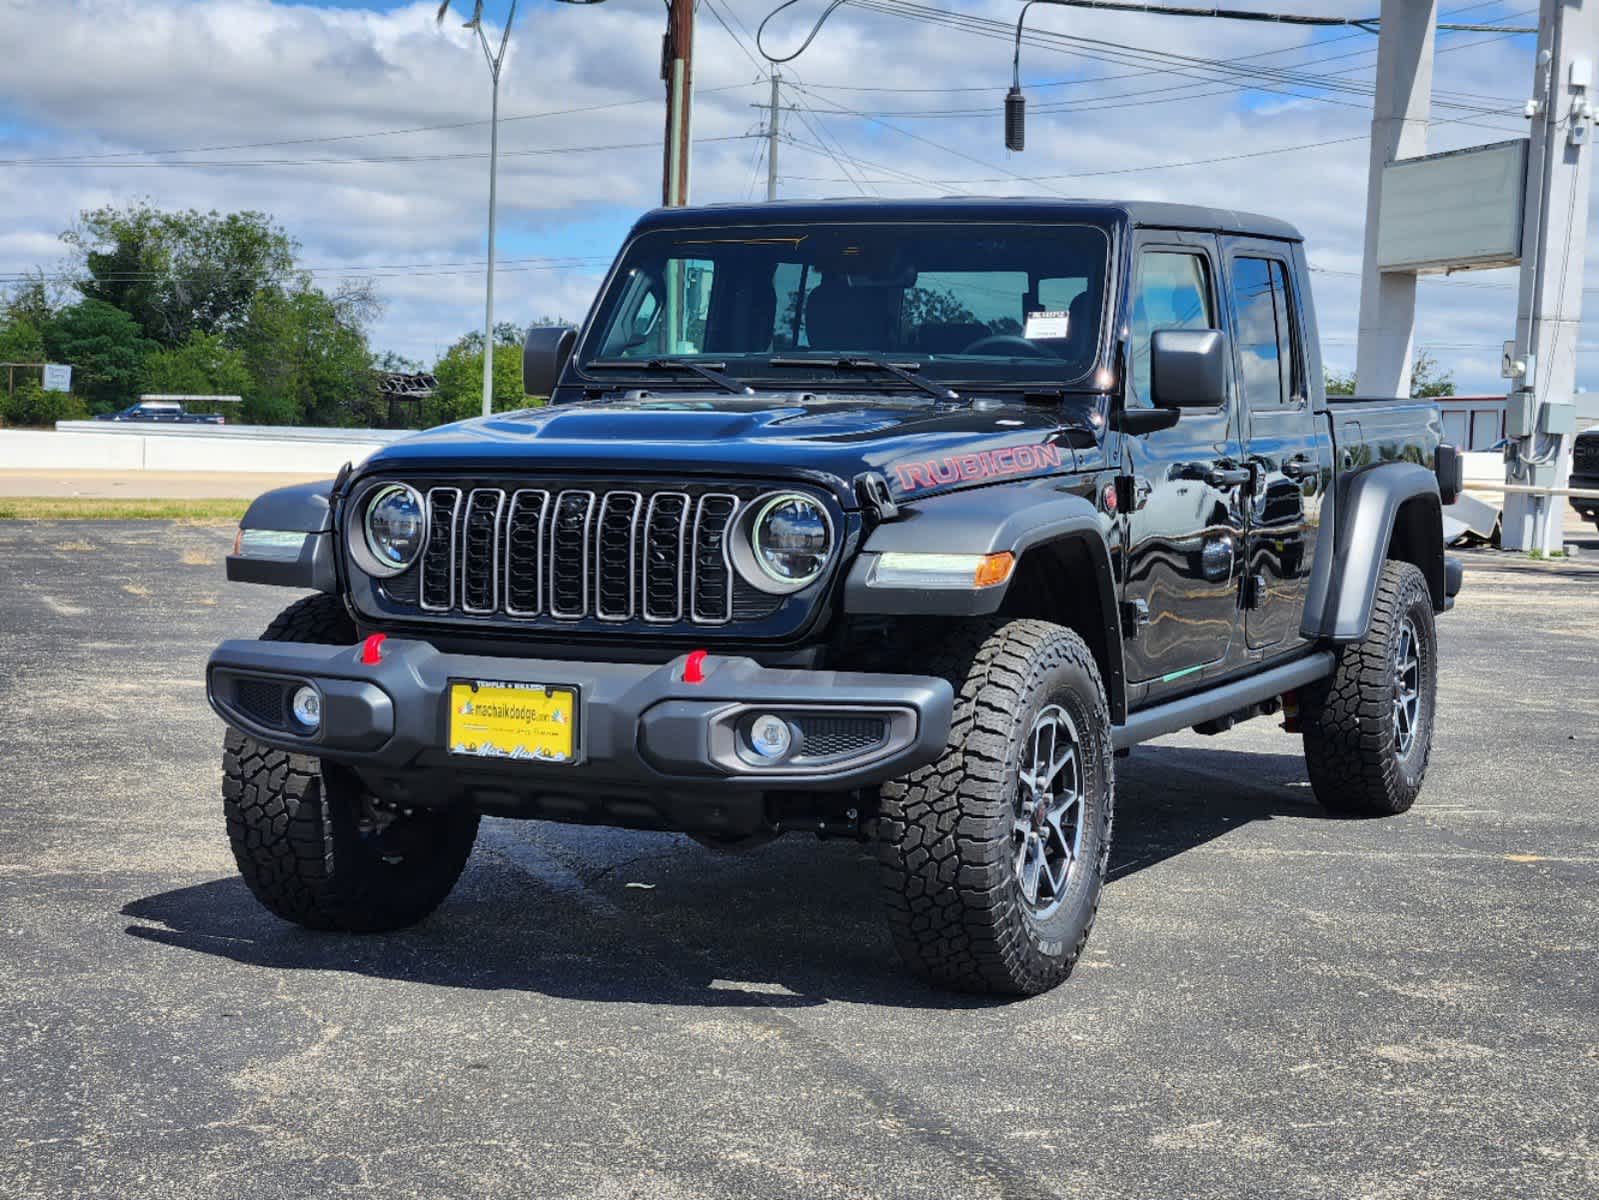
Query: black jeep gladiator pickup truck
[[888, 520]]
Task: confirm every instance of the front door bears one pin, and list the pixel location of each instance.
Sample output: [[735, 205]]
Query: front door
[[1280, 434], [1185, 524]]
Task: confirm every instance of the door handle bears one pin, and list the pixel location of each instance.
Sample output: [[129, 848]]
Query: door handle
[[1300, 467], [1227, 477]]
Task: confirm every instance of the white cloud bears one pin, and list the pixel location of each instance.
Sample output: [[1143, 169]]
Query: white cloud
[[112, 76]]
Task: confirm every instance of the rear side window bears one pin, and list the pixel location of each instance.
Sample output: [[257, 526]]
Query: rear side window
[[1263, 317], [1172, 291]]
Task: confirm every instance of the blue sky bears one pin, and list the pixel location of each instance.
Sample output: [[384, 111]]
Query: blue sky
[[879, 105]]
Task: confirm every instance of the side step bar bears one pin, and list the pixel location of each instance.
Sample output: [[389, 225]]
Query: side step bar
[[1221, 700]]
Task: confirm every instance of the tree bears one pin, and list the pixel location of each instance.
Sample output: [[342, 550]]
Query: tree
[[460, 375], [202, 366], [1428, 380], [105, 349], [308, 359], [178, 272], [35, 300]]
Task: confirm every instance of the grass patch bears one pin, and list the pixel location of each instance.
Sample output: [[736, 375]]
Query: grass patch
[[71, 508]]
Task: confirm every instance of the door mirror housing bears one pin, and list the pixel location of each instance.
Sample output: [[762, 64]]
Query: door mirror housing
[[544, 356], [1188, 368]]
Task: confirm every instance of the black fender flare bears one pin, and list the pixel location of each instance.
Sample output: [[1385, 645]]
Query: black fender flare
[[303, 508], [1343, 577], [992, 520]]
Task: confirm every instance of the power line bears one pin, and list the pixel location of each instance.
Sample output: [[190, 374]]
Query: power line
[[1141, 74], [79, 159], [463, 156], [1259, 78]]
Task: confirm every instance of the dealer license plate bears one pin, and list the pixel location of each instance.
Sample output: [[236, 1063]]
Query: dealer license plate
[[531, 722]]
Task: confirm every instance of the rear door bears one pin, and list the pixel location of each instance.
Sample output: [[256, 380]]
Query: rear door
[[1281, 446], [1186, 521]]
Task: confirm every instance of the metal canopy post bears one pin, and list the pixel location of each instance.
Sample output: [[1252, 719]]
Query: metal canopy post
[[1542, 414], [1398, 130]]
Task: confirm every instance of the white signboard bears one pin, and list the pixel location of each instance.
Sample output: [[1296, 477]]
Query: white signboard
[[1456, 211], [57, 378]]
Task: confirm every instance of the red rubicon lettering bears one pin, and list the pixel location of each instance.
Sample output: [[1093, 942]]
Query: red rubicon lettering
[[984, 464]]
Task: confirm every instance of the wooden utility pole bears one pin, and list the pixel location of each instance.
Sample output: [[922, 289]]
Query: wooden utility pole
[[677, 69]]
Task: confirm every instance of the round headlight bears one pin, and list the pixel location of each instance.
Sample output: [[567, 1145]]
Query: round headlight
[[395, 527], [792, 538]]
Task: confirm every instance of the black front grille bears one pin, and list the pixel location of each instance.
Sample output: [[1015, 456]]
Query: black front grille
[[564, 554], [1585, 459]]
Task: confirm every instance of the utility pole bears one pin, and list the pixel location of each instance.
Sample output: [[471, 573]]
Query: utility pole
[[677, 69], [1541, 413], [1398, 130], [771, 142]]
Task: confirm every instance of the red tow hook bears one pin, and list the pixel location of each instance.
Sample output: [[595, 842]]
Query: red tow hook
[[694, 667], [372, 649]]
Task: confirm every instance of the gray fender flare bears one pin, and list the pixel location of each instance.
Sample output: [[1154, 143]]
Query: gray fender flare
[[303, 508], [991, 520], [1343, 577]]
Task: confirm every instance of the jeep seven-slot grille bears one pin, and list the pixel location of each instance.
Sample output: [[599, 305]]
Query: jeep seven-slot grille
[[584, 553]]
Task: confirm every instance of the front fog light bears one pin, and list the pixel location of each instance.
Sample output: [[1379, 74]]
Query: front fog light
[[307, 706], [770, 736]]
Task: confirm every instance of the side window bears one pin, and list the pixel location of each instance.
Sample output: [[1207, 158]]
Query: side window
[[1172, 291], [1264, 320]]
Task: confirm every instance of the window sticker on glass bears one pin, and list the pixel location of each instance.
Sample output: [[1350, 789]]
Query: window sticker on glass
[[1041, 325]]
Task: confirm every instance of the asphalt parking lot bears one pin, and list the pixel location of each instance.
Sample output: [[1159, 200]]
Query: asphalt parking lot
[[1275, 1003]]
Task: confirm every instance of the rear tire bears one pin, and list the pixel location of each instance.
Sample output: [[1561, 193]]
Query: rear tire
[[995, 855], [1368, 727], [313, 847]]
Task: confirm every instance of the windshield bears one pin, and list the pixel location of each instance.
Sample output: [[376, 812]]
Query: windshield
[[966, 303]]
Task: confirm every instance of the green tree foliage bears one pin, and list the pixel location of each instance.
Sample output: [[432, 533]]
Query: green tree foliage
[[105, 348], [205, 365], [179, 272], [30, 404], [1337, 383], [307, 357], [460, 375], [1428, 379]]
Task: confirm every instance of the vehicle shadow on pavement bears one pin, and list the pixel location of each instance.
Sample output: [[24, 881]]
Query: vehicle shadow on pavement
[[549, 910]]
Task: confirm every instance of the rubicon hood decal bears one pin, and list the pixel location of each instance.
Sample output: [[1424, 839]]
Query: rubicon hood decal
[[1004, 463]]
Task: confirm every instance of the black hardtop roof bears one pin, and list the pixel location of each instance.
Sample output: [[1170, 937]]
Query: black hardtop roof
[[1151, 213]]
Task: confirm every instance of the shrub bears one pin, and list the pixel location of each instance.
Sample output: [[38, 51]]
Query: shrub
[[30, 404]]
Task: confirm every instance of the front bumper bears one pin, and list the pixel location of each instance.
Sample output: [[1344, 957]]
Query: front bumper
[[640, 727]]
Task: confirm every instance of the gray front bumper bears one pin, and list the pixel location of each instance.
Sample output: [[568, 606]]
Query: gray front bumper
[[638, 725]]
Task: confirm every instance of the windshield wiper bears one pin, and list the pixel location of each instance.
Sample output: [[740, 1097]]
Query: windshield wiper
[[710, 371], [861, 362]]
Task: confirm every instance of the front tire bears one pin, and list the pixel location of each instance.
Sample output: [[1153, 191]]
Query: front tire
[[1368, 727], [312, 845], [994, 856]]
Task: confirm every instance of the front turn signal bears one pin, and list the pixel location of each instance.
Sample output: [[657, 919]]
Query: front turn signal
[[993, 569]]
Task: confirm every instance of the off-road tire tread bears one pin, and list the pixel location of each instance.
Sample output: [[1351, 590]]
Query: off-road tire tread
[[952, 911], [288, 842], [1346, 719]]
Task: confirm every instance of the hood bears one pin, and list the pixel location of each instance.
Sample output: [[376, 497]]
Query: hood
[[919, 447]]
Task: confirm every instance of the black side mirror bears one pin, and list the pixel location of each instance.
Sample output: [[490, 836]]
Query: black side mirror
[[544, 356], [1188, 368]]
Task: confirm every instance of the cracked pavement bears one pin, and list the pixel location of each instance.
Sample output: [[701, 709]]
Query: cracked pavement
[[1274, 1003]]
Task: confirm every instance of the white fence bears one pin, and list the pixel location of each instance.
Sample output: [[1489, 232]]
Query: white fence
[[108, 446]]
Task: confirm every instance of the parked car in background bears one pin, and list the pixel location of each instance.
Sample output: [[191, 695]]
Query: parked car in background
[[1585, 474], [164, 411]]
